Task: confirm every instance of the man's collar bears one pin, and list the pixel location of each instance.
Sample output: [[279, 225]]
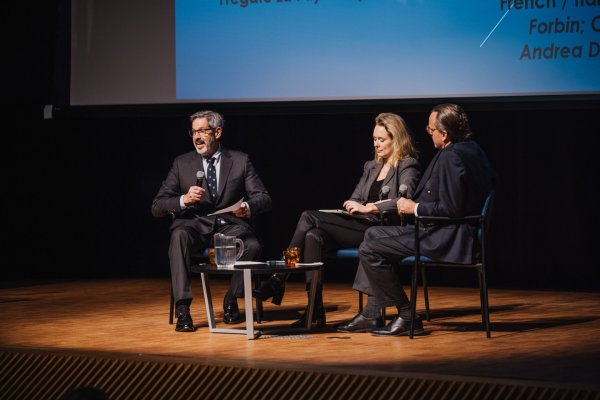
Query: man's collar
[[216, 154]]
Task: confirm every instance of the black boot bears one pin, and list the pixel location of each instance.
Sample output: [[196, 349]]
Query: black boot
[[318, 319], [273, 287]]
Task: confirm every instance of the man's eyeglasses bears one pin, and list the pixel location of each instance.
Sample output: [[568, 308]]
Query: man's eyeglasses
[[431, 130], [201, 132]]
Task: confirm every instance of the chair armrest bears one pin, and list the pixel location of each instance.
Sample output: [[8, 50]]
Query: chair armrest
[[391, 217], [470, 219]]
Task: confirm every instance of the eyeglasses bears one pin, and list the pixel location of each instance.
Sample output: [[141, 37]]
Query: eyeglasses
[[431, 130], [201, 132]]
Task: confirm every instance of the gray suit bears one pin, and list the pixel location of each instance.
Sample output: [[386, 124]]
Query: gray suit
[[192, 229]]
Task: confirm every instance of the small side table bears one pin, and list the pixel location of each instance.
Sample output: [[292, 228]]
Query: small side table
[[250, 268]]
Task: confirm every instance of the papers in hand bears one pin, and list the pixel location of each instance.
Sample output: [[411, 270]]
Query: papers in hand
[[228, 209]]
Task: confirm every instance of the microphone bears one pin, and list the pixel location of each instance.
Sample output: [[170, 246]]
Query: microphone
[[199, 178], [403, 193], [403, 190], [383, 193]]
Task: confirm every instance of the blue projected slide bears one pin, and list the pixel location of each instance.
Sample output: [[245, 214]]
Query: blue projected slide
[[276, 50]]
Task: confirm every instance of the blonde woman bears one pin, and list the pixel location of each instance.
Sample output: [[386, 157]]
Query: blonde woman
[[318, 233]]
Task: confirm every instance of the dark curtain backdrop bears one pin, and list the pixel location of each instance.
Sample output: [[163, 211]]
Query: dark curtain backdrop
[[80, 187]]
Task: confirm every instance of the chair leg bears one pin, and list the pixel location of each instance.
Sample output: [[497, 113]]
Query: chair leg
[[259, 303], [171, 308], [413, 299], [485, 309], [425, 294]]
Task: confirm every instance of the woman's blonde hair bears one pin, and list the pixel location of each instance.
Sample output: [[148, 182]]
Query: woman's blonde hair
[[401, 138]]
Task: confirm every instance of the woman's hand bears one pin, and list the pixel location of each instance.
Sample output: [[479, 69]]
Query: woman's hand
[[355, 207]]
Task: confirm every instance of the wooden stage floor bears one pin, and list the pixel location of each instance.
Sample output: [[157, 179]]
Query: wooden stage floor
[[538, 336]]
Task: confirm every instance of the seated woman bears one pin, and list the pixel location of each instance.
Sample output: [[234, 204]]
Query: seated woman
[[318, 233]]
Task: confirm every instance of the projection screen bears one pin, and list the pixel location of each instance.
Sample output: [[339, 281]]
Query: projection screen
[[135, 52]]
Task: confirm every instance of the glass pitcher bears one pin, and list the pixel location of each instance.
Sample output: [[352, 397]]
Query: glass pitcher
[[228, 250]]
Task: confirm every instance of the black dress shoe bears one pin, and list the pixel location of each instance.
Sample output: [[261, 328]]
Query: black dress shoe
[[400, 327], [231, 312], [361, 324], [184, 322], [273, 287]]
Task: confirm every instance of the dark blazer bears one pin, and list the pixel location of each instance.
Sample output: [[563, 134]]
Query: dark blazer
[[237, 179], [455, 184], [407, 172]]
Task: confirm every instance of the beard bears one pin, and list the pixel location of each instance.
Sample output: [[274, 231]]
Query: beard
[[208, 144]]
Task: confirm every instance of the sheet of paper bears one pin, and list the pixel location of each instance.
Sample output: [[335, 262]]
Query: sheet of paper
[[309, 264], [250, 263], [228, 209]]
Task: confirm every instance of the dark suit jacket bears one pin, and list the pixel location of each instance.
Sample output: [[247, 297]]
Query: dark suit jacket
[[237, 179], [407, 172], [455, 184]]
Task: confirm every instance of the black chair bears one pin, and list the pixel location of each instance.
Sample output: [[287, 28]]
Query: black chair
[[418, 262], [202, 256], [387, 218], [350, 253]]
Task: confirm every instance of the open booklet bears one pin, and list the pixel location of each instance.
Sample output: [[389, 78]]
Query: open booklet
[[228, 209], [344, 212]]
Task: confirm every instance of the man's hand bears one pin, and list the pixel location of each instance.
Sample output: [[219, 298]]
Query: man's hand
[[243, 211], [405, 206], [194, 195]]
